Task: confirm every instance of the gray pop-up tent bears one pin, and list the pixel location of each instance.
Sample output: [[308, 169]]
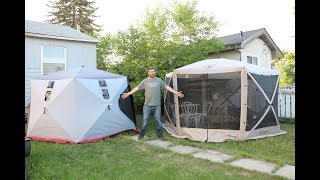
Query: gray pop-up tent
[[224, 100], [79, 105]]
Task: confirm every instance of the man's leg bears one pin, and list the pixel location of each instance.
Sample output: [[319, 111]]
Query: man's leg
[[157, 118], [146, 118]]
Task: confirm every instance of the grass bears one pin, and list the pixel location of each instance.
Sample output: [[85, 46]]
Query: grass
[[119, 157], [277, 149]]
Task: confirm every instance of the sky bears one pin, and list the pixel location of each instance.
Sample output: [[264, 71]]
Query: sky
[[233, 16]]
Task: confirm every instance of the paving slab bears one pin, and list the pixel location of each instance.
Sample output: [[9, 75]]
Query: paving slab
[[211, 155], [184, 149], [286, 171], [160, 143], [257, 165]]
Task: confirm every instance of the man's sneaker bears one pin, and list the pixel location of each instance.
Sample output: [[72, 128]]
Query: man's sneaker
[[160, 136], [141, 136]]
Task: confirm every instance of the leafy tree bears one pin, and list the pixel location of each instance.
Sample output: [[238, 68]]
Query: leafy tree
[[104, 51], [286, 66], [188, 25], [131, 45], [167, 37], [77, 14]]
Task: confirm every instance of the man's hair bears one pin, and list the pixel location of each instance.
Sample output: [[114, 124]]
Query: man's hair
[[151, 67]]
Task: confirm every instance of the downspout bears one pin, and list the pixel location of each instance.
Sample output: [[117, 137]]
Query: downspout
[[237, 49]]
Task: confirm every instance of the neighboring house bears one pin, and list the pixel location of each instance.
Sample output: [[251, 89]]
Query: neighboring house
[[255, 47], [51, 47]]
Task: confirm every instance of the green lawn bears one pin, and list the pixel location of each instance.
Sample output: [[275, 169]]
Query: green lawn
[[120, 157], [277, 149]]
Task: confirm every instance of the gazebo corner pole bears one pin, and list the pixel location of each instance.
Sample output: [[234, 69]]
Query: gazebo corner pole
[[176, 102], [244, 101]]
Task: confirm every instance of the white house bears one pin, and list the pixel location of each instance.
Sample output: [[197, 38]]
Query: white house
[[255, 47], [51, 47]]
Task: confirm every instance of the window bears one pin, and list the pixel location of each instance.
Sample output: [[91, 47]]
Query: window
[[252, 60], [50, 84], [47, 96], [105, 93], [53, 59], [102, 83]]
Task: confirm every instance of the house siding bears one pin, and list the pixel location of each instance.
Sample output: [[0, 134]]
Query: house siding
[[77, 54], [256, 48], [231, 54], [259, 49]]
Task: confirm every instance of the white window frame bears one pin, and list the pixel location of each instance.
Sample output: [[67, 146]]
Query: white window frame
[[65, 56], [252, 57]]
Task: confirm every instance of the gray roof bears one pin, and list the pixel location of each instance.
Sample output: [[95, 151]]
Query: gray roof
[[239, 41], [237, 38], [55, 31]]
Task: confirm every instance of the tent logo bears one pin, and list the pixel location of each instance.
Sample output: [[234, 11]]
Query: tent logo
[[209, 66]]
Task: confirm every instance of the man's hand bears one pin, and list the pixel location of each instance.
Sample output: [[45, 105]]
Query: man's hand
[[180, 95], [124, 95]]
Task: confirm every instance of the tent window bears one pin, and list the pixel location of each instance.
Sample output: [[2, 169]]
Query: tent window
[[102, 83], [50, 84], [47, 96], [105, 93], [53, 59], [252, 60]]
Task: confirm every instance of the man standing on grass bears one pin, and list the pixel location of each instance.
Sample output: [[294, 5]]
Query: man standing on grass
[[152, 104]]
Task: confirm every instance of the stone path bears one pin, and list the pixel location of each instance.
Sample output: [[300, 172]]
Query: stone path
[[287, 171]]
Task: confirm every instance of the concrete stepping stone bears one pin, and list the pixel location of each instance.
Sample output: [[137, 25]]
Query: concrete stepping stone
[[286, 171], [211, 155], [257, 165], [184, 149], [160, 143]]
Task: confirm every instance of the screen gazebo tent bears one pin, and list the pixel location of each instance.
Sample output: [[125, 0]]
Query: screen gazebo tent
[[224, 100], [79, 105]]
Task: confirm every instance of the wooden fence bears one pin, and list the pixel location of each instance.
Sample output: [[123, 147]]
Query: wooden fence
[[286, 102]]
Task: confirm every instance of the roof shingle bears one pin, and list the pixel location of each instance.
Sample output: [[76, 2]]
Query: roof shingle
[[237, 38], [40, 29], [232, 41]]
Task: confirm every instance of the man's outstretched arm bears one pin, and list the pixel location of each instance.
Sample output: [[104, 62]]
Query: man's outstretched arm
[[179, 94], [125, 95]]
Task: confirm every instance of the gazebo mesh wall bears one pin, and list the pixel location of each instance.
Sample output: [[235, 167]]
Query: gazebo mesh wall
[[258, 104], [222, 91]]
